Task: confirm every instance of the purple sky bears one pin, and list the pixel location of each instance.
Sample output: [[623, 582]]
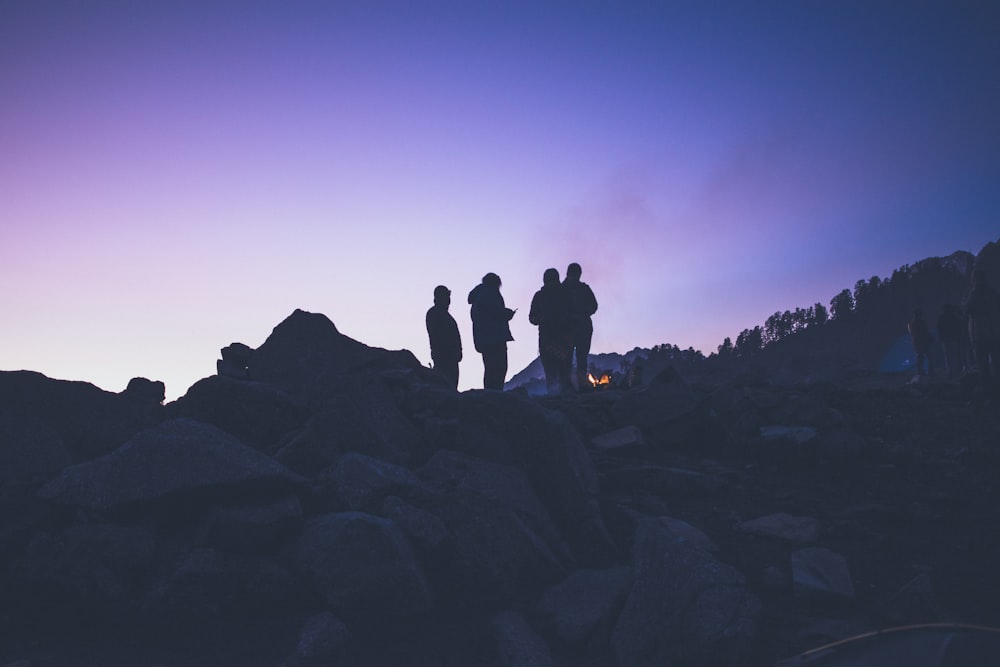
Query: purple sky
[[176, 176]]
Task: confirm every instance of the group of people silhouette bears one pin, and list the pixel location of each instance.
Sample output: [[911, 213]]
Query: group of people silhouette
[[970, 330], [561, 310]]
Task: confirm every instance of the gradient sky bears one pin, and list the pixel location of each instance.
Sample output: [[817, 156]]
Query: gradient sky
[[176, 176]]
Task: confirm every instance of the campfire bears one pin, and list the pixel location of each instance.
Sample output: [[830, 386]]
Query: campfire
[[600, 381]]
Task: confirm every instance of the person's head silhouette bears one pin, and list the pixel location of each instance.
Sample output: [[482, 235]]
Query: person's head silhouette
[[573, 271], [442, 295]]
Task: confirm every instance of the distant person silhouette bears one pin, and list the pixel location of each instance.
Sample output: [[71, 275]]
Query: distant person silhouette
[[550, 313], [982, 308], [490, 329], [921, 337], [951, 333], [582, 305], [446, 342]]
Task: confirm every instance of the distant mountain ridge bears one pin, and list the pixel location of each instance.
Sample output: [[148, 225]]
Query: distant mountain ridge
[[863, 330]]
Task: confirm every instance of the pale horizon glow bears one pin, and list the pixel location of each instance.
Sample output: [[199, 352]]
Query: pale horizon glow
[[178, 177]]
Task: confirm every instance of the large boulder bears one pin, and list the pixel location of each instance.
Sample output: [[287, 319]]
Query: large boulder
[[362, 482], [203, 584], [306, 355], [362, 566], [511, 429], [260, 415], [88, 420], [684, 604], [664, 401], [517, 644], [95, 567], [360, 415], [251, 527], [583, 607], [504, 541], [31, 453], [180, 458]]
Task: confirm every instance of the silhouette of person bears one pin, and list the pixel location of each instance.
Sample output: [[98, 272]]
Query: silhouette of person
[[550, 313], [491, 329], [982, 307], [952, 336], [921, 337], [582, 305], [446, 342]]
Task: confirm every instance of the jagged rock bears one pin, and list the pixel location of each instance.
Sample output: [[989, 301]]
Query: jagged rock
[[425, 531], [392, 436], [324, 438], [362, 565], [684, 604], [145, 392], [820, 573], [841, 445], [916, 602], [31, 453], [180, 457], [505, 541], [513, 430], [685, 531], [306, 355], [797, 435], [258, 414], [584, 606], [97, 566], [362, 418], [795, 529], [207, 583], [255, 527], [88, 420], [322, 642], [665, 399], [517, 644], [363, 482], [235, 358], [627, 436]]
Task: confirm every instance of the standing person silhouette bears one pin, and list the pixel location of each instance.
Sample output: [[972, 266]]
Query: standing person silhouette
[[490, 329], [582, 305], [550, 313], [446, 342]]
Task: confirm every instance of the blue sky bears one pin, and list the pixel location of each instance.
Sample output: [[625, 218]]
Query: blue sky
[[178, 176]]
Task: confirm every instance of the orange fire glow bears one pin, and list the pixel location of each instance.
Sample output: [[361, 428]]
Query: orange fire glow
[[596, 382]]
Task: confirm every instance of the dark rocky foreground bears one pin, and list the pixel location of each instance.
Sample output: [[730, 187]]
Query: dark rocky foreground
[[327, 503]]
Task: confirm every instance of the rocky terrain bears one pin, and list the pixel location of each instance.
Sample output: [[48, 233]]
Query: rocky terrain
[[322, 502]]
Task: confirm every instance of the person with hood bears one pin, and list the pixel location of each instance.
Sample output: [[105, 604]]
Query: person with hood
[[583, 304], [446, 342], [550, 313], [982, 308], [491, 329]]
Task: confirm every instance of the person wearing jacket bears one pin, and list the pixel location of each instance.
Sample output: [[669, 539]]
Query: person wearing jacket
[[583, 304], [446, 342], [550, 313], [491, 329]]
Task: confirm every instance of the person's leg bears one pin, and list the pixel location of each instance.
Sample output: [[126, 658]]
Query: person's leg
[[551, 367], [581, 341], [494, 366], [450, 371]]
